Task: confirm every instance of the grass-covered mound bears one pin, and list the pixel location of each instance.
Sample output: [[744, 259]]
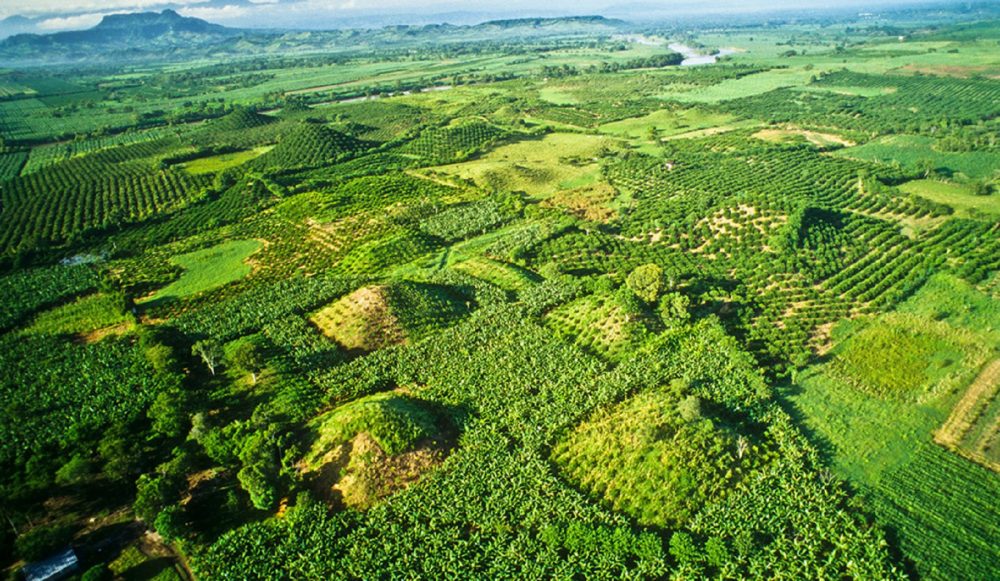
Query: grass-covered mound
[[377, 316], [367, 449], [241, 118], [604, 323], [310, 145], [658, 456], [456, 141]]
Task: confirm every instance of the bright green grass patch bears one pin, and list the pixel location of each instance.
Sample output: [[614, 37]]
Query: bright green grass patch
[[951, 299], [557, 95], [900, 357], [940, 507], [657, 456], [217, 163], [870, 433], [537, 167], [958, 196], [506, 276], [912, 150], [97, 311], [209, 268], [747, 86], [665, 123], [867, 435], [396, 422]]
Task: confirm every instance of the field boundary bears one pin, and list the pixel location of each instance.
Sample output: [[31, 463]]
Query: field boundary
[[967, 412]]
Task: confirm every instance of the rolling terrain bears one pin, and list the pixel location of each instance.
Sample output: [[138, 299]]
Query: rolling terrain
[[522, 299]]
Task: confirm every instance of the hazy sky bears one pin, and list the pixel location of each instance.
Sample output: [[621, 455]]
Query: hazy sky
[[66, 14]]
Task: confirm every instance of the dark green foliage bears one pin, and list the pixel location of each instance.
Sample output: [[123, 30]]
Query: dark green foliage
[[54, 392], [455, 142], [41, 542], [310, 145], [26, 291], [11, 164], [240, 119], [97, 573]]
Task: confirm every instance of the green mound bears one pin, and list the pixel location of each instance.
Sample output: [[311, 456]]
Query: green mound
[[377, 316], [310, 144], [601, 324], [372, 447], [379, 255], [396, 422], [241, 118], [456, 141], [657, 456]]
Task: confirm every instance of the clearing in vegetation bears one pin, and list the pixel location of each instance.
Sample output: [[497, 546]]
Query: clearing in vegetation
[[86, 314], [367, 449], [914, 153], [222, 161], [962, 198], [539, 168], [821, 140], [905, 357], [207, 269]]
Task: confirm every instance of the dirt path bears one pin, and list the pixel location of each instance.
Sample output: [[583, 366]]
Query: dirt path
[[966, 412]]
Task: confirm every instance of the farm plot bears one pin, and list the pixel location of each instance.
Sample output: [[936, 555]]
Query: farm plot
[[539, 168], [207, 269]]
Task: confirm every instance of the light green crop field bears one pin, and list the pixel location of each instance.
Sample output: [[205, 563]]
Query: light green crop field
[[882, 445], [537, 167], [208, 268], [958, 196], [666, 123], [85, 314], [748, 86], [911, 150], [217, 163]]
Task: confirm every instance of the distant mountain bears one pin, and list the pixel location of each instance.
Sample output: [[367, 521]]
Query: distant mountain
[[16, 25], [134, 34], [541, 22], [170, 36]]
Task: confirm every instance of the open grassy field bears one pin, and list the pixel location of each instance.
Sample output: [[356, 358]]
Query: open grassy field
[[955, 195], [874, 441], [208, 268], [748, 86], [665, 123], [217, 163], [558, 161], [86, 314], [911, 150]]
